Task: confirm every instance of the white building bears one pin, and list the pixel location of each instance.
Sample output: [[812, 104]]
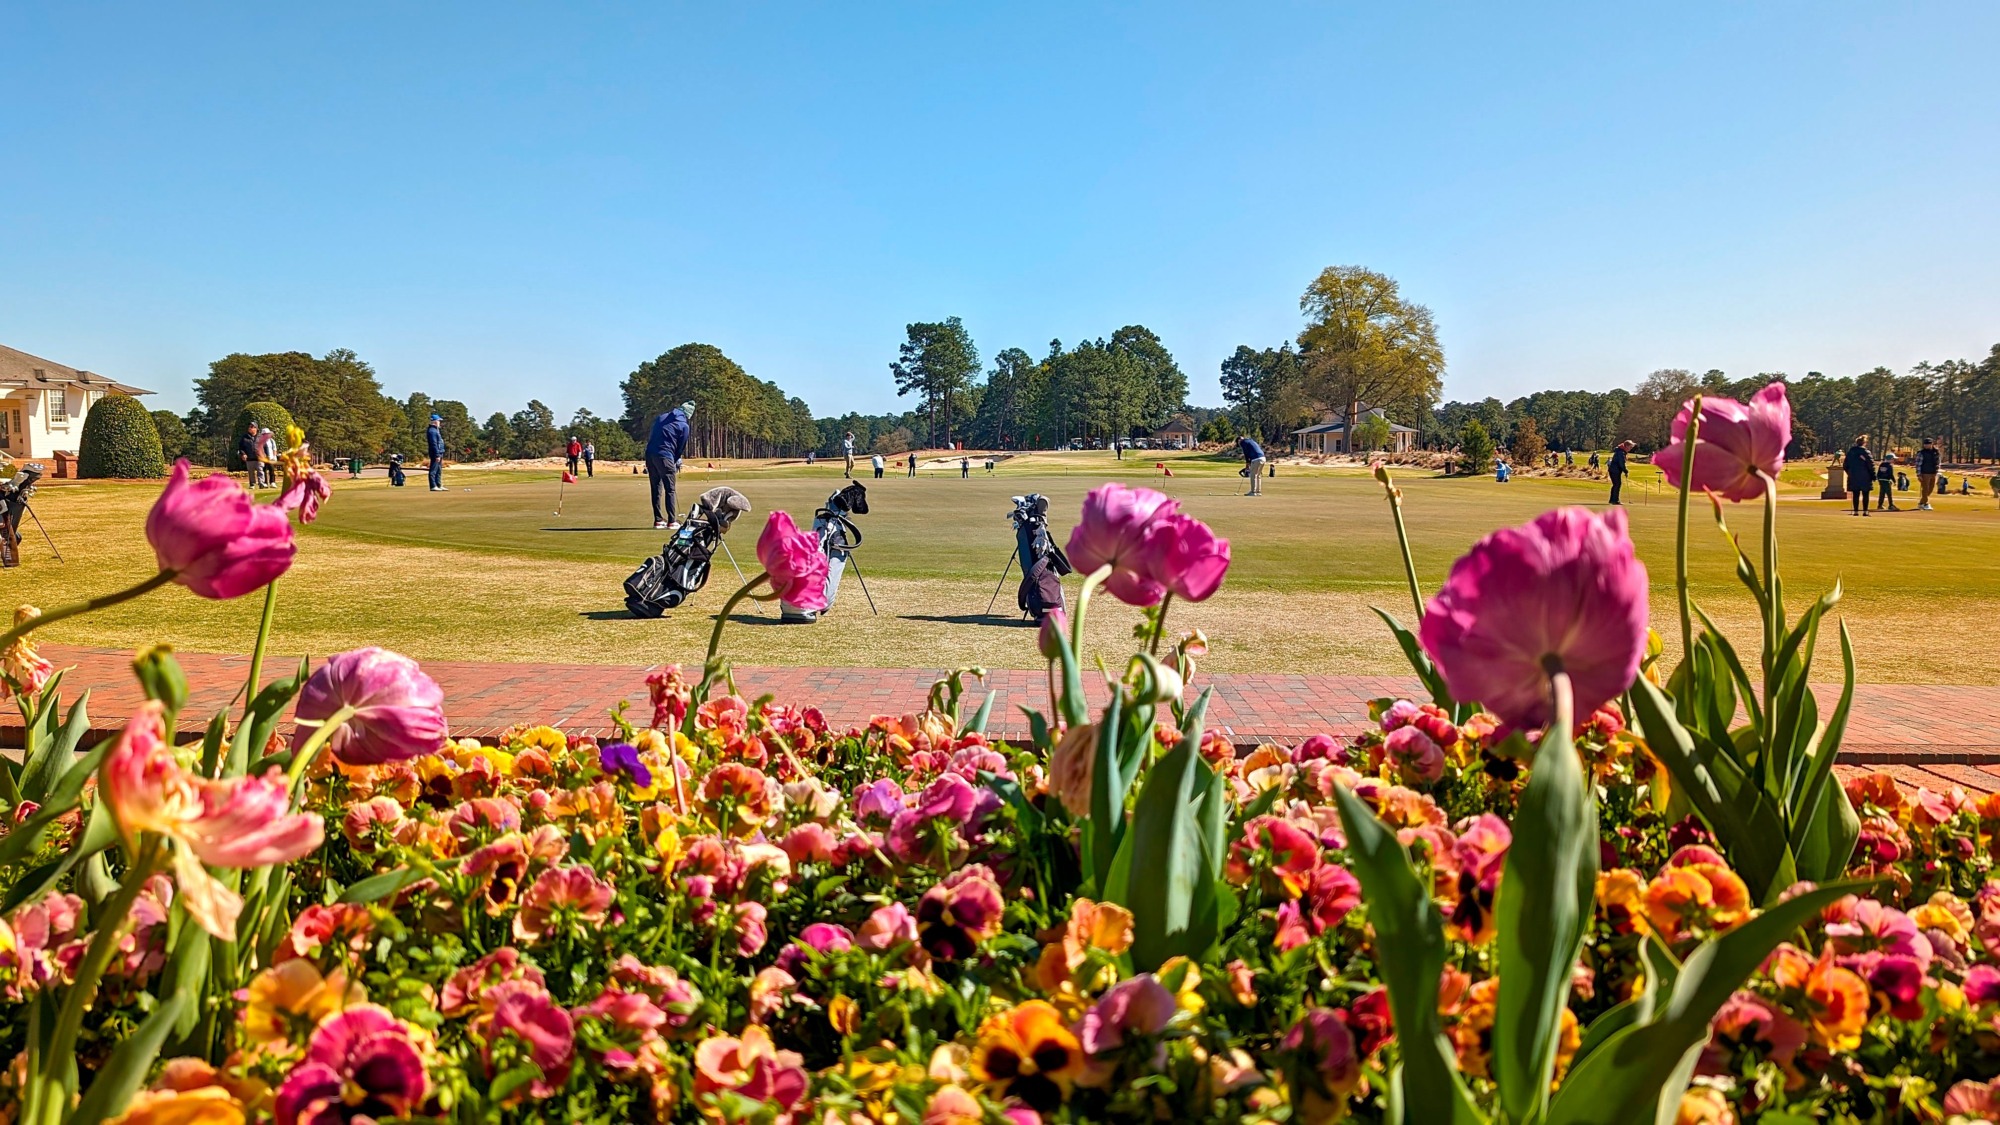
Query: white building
[[43, 404]]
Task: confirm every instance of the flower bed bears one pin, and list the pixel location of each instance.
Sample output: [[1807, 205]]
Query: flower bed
[[1602, 895]]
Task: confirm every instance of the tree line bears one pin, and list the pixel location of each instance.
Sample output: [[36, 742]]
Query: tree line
[[1956, 401], [1124, 386], [339, 402]]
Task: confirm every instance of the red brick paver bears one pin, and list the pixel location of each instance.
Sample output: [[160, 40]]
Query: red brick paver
[[1933, 735]]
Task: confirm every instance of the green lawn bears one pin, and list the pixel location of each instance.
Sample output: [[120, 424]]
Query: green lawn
[[488, 571]]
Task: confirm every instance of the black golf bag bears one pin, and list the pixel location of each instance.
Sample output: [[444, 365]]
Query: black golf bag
[[672, 576], [1043, 563], [14, 495], [838, 537], [395, 470]]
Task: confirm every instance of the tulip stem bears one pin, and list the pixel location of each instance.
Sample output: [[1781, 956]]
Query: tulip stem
[[1160, 623], [1681, 531], [257, 653], [722, 618], [1774, 612], [307, 751], [1402, 537], [88, 605], [1091, 582], [103, 946]]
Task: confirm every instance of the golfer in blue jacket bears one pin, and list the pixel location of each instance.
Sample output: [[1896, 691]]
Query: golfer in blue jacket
[[1253, 463], [434, 445], [664, 448]]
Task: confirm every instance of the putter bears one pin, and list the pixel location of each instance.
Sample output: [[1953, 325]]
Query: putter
[[1004, 572]]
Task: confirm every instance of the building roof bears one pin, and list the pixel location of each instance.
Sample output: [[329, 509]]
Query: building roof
[[1176, 425], [19, 369], [1341, 427]]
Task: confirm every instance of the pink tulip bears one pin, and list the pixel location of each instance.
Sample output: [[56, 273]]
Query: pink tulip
[[795, 563], [1116, 521], [1560, 593], [398, 710], [1187, 558], [1048, 639], [1735, 444], [305, 493], [238, 822], [215, 539]]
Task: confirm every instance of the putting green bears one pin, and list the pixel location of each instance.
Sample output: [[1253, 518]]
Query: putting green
[[487, 570]]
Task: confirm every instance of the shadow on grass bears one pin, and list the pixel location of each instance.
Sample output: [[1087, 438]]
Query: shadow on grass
[[649, 528], [970, 619]]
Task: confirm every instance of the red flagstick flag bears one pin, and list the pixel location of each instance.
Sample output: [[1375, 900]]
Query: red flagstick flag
[[568, 477]]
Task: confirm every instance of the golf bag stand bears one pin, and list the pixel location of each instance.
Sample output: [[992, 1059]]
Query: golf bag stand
[[395, 470]]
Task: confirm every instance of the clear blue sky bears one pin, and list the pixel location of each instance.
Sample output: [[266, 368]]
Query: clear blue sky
[[494, 202]]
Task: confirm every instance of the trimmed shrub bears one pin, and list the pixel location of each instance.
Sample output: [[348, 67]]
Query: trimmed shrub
[[267, 415], [119, 441]]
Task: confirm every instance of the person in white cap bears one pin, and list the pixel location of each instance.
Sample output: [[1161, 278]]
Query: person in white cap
[[665, 446]]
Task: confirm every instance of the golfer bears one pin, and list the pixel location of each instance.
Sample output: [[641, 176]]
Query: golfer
[[434, 445], [573, 455], [589, 459], [913, 465], [847, 451], [1253, 463], [267, 452], [664, 447], [1927, 473], [877, 462], [964, 468], [246, 448], [1618, 469]]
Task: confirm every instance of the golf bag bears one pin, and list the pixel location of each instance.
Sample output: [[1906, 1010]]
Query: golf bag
[[14, 495], [672, 576], [838, 537], [1043, 562], [395, 470]]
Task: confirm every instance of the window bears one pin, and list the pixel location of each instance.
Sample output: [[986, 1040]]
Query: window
[[58, 406]]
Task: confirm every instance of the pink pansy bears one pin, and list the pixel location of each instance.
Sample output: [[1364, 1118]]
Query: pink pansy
[[889, 926], [794, 562], [364, 819], [811, 842], [878, 801], [1861, 929], [236, 822], [1982, 985], [525, 1010], [1116, 520], [1899, 979], [1278, 853], [1748, 1018], [965, 909], [575, 893], [751, 933], [631, 1017], [1139, 1006], [670, 694], [1187, 558], [361, 1066], [216, 540], [1319, 747], [753, 1067], [1326, 1055], [466, 988], [1563, 592], [819, 937], [769, 990], [1418, 759], [1973, 1100], [1735, 443], [398, 710]]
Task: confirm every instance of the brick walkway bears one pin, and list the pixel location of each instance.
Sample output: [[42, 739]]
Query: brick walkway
[[1900, 728]]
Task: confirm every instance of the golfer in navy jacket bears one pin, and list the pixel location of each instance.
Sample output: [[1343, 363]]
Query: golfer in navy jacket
[[664, 448], [1253, 464]]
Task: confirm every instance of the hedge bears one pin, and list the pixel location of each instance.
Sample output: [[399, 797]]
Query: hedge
[[267, 415], [119, 441]]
